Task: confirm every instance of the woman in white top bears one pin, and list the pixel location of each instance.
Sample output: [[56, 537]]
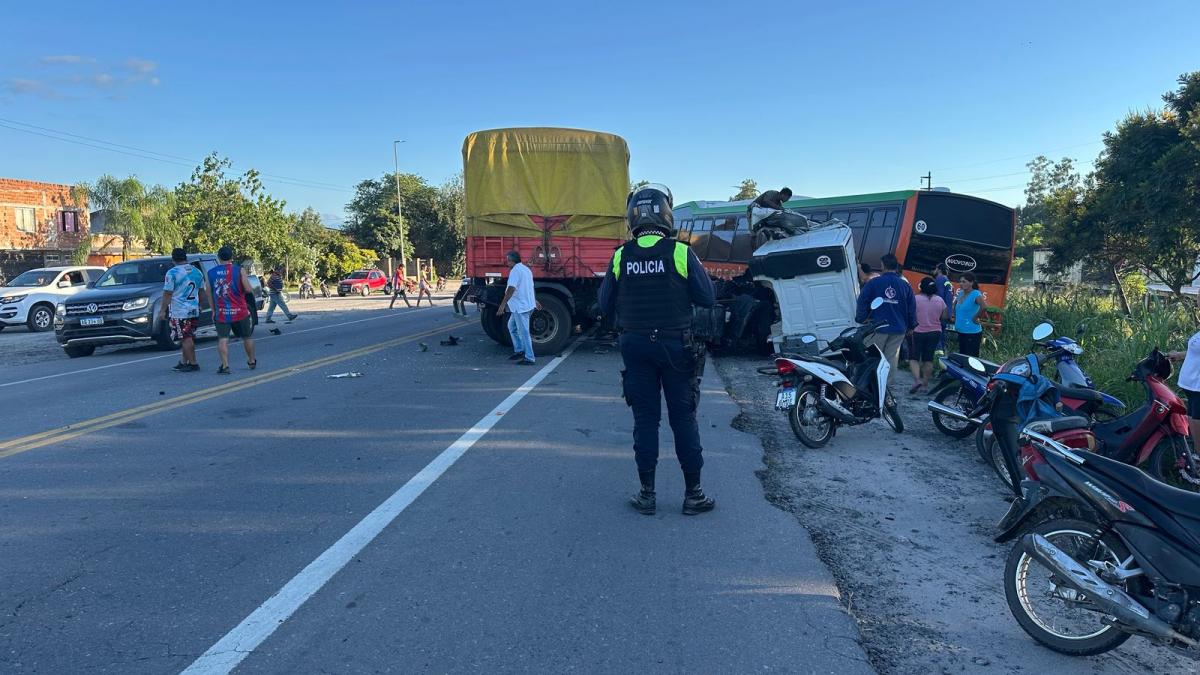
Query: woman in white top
[[1189, 382]]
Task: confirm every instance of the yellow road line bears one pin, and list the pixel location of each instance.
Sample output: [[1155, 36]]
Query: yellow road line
[[18, 445]]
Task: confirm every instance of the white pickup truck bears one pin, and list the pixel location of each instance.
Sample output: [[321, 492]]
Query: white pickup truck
[[30, 297]]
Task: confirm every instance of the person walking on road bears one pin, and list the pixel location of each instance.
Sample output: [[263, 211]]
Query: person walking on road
[[275, 285], [423, 288], [899, 310], [183, 289], [398, 289], [520, 300], [931, 315], [968, 305], [231, 314], [651, 287]]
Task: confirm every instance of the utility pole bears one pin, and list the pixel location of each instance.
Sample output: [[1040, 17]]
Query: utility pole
[[928, 178], [399, 206]]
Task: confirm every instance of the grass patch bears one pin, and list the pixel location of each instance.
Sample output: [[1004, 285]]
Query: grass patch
[[1113, 343]]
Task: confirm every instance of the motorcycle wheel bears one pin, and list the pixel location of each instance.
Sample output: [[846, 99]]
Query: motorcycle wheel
[[810, 425], [891, 413], [996, 459], [983, 443], [1169, 464], [1040, 607], [952, 397]]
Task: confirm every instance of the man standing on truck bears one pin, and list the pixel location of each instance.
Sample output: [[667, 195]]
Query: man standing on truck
[[520, 299], [651, 285], [772, 199]]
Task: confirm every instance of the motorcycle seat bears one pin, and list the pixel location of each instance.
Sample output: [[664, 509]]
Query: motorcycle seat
[[1180, 502], [1080, 394], [958, 359], [1058, 424], [811, 358]]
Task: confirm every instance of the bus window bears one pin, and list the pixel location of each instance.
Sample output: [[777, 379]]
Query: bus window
[[700, 236], [721, 242], [743, 242], [857, 220], [880, 236], [684, 231], [843, 216], [817, 216]]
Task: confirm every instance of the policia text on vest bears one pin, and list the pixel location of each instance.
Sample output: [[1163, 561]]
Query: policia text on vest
[[651, 286]]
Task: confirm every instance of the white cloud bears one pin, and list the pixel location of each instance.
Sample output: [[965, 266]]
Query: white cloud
[[62, 58], [79, 76]]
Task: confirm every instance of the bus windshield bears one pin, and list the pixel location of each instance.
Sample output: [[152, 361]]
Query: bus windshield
[[964, 233]]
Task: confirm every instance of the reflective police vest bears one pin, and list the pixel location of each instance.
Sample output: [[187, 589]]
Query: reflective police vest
[[652, 285]]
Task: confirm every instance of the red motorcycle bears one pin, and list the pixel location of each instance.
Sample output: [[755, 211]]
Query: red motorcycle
[[1154, 437]]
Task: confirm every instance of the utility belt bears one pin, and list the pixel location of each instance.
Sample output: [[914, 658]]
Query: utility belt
[[654, 334], [692, 344]]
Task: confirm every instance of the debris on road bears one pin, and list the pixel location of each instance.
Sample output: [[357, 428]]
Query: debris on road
[[340, 376], [451, 341], [276, 331], [422, 346]]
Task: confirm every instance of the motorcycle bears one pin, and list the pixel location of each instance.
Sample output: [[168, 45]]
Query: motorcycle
[[962, 386], [844, 384], [306, 290], [1154, 435], [324, 289], [1104, 553]]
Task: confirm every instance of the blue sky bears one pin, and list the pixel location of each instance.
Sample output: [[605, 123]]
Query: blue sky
[[858, 97]]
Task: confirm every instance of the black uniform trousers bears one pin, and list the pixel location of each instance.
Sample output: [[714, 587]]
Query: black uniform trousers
[[661, 365]]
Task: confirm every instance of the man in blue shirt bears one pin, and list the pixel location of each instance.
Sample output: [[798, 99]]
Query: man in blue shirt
[[899, 310]]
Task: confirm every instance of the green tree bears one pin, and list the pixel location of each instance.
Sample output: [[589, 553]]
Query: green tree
[[748, 190], [1140, 209], [216, 210], [1046, 179], [131, 211], [433, 224], [634, 187], [341, 257]]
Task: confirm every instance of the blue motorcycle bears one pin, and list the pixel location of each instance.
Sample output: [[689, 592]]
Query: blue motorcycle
[[961, 387]]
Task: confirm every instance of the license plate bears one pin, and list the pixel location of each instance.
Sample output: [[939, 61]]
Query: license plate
[[92, 321], [786, 399]]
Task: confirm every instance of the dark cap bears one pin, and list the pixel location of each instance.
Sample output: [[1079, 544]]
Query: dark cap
[[225, 253], [179, 255]]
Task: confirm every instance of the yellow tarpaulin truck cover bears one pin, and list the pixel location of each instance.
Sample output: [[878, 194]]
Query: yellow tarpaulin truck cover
[[512, 174]]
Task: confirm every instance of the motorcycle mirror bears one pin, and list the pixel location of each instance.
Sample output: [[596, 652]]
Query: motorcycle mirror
[[877, 303], [808, 338], [1043, 330], [976, 365]]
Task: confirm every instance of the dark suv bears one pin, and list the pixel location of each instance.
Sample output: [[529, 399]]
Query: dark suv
[[122, 306]]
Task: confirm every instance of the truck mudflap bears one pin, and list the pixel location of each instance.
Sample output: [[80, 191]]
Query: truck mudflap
[[465, 293]]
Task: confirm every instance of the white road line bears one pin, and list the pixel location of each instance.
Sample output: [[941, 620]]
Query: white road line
[[240, 642], [171, 354]]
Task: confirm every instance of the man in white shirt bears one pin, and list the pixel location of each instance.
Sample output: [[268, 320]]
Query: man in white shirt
[[519, 299], [1189, 382]]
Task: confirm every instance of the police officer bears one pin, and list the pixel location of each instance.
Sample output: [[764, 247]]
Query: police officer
[[651, 285]]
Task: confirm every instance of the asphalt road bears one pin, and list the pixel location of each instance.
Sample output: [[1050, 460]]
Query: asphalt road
[[445, 512]]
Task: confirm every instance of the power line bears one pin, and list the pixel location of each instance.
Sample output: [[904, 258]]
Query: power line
[[152, 155], [1029, 155]]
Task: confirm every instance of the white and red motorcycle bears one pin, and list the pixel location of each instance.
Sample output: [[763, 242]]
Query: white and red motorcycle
[[843, 384]]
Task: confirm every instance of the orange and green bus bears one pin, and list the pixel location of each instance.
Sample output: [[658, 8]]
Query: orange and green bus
[[922, 227]]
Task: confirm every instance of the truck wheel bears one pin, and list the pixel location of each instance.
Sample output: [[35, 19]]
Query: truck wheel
[[495, 326], [41, 318], [551, 326], [76, 351]]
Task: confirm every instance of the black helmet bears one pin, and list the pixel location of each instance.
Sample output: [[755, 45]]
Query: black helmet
[[649, 208]]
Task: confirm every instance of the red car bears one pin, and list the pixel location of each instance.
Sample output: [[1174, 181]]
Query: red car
[[364, 282]]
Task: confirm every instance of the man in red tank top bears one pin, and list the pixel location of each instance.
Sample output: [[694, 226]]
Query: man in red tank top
[[231, 314]]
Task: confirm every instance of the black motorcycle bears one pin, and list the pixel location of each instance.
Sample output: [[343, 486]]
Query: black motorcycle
[[1105, 552]]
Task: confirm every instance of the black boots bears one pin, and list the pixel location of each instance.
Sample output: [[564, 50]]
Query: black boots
[[695, 501], [643, 502]]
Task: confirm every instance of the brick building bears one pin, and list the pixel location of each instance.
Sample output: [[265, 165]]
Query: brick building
[[40, 224]]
